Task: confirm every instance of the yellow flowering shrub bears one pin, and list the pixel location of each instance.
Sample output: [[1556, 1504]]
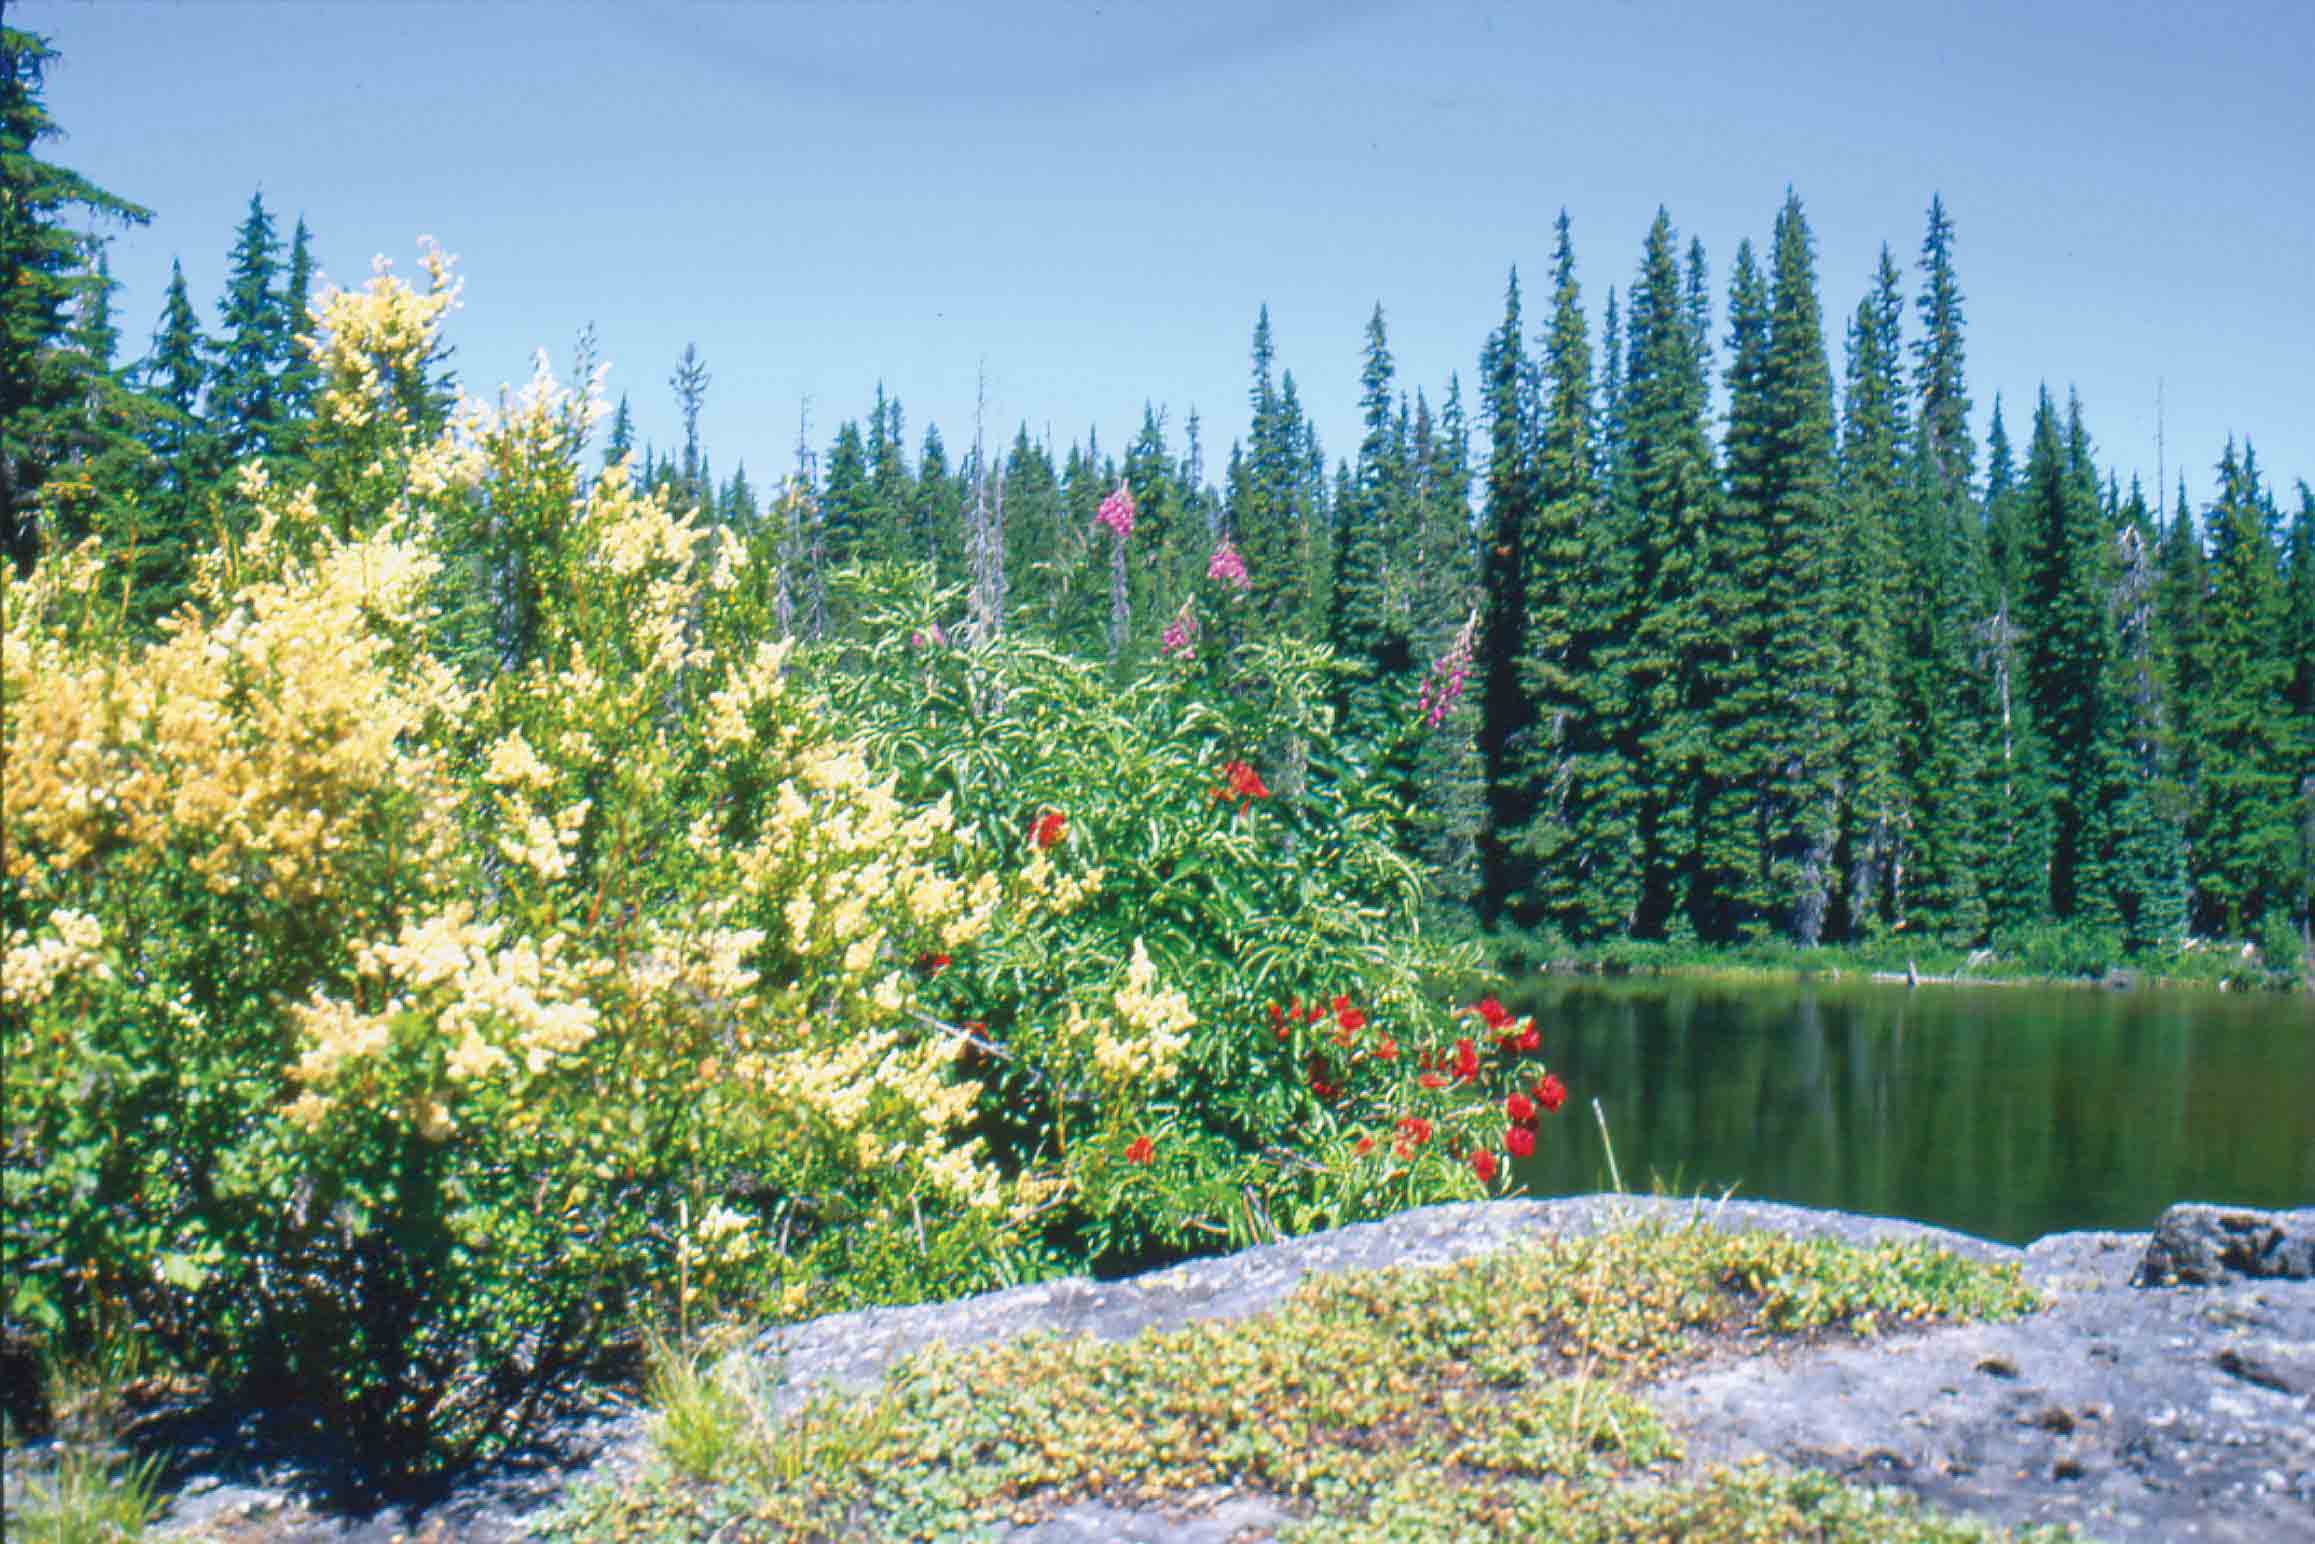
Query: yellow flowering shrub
[[428, 954]]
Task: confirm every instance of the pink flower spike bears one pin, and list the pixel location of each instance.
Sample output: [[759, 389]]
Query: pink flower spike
[[1227, 567], [1117, 512]]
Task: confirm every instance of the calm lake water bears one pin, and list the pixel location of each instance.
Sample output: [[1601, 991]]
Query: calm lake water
[[2008, 1112]]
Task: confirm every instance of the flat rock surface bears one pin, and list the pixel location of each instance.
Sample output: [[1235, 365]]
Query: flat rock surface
[[2167, 1413]]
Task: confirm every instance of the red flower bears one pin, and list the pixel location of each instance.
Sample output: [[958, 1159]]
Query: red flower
[[1243, 784], [1531, 1038], [1432, 1080], [1521, 1141], [1414, 1131], [1314, 1013], [1141, 1150], [932, 964], [1520, 1108], [1351, 1019], [1049, 830], [1322, 1079], [1483, 1165], [1466, 1062], [1365, 1145], [1386, 1049], [1551, 1093], [1491, 1010]]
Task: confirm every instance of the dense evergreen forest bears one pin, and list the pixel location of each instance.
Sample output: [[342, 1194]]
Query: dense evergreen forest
[[1818, 668]]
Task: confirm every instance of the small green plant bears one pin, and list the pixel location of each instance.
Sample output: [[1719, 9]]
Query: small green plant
[[89, 1494]]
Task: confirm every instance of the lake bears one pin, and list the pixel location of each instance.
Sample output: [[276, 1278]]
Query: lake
[[2003, 1111]]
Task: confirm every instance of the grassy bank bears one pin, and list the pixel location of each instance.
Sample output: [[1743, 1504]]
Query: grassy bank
[[1504, 1397], [2047, 956]]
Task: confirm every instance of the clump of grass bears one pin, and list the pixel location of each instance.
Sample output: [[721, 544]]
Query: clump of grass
[[88, 1495], [1492, 1386], [86, 1489]]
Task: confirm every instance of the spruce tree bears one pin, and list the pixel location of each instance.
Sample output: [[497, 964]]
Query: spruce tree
[[1506, 515], [252, 321], [690, 383], [622, 441], [1796, 757], [2146, 859], [2243, 830], [2068, 578], [1578, 788], [1946, 700], [44, 381], [1876, 431], [1667, 467], [183, 457], [1367, 629], [300, 377]]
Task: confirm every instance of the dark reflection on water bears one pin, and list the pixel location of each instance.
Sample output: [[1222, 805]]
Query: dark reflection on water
[[2008, 1112]]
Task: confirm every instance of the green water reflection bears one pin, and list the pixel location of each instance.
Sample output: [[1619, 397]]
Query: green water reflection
[[2007, 1112]]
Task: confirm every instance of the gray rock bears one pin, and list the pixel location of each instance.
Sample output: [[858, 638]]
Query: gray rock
[[2136, 1415], [2198, 1245]]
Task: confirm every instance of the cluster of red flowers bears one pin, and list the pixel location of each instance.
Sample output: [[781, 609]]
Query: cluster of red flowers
[[1140, 1150], [1513, 1036], [1049, 830], [1414, 1131], [1242, 783]]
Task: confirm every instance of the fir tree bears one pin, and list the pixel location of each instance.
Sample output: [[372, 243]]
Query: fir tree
[[690, 383], [1578, 790], [2146, 861], [2067, 581], [622, 441], [245, 389], [1945, 695], [44, 382], [1875, 435], [300, 377], [1667, 470], [1508, 511], [1367, 631], [2243, 837]]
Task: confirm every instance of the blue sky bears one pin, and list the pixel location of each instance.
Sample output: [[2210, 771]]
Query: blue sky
[[1093, 199]]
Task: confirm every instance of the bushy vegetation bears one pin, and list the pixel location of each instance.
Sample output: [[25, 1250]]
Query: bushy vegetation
[[461, 933]]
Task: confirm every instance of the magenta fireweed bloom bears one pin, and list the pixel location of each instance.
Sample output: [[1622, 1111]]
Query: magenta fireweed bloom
[[1444, 685], [1181, 634], [1226, 567], [1117, 512]]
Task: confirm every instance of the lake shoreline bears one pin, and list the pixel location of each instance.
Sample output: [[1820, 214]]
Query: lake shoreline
[[1878, 973]]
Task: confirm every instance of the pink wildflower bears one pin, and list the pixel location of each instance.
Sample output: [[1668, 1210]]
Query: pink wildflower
[[1226, 567], [1117, 512], [1444, 685]]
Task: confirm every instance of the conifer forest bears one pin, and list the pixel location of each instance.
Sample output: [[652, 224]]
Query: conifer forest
[[1819, 669]]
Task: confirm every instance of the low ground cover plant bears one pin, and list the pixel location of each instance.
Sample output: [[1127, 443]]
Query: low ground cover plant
[[1500, 1397]]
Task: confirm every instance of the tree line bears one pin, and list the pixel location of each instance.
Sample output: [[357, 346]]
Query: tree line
[[1822, 669]]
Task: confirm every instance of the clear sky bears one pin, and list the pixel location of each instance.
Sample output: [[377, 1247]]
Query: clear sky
[[1093, 198]]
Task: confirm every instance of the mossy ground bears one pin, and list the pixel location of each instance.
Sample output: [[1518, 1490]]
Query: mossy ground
[[1503, 1397]]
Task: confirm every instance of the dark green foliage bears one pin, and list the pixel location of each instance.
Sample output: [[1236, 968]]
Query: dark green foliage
[[1369, 622], [47, 385], [1670, 656], [2069, 576], [1875, 442], [2242, 828], [1504, 712], [1968, 801], [1577, 788], [253, 332]]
